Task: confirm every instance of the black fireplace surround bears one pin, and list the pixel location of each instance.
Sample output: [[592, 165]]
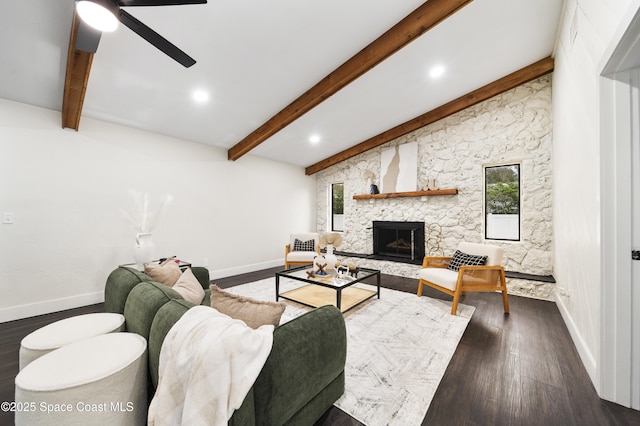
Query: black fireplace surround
[[399, 241]]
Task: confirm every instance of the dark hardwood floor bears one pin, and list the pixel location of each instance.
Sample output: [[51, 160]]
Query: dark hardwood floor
[[517, 369]]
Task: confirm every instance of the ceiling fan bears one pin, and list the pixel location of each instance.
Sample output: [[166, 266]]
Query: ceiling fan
[[97, 16]]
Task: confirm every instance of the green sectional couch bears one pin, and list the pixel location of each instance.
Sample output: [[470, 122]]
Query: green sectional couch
[[302, 377]]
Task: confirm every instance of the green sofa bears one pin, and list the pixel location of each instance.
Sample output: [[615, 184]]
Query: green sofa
[[302, 377]]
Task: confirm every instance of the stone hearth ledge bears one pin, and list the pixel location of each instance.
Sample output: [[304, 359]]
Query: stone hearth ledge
[[516, 286]]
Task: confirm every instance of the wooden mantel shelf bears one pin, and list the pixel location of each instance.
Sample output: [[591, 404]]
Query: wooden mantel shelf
[[407, 194]]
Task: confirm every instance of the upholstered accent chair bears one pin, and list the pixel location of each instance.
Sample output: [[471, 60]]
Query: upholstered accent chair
[[301, 250], [474, 267]]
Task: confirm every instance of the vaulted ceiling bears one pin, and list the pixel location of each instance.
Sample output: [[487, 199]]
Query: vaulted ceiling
[[353, 73]]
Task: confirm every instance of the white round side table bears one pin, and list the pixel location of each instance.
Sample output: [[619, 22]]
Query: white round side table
[[101, 380]]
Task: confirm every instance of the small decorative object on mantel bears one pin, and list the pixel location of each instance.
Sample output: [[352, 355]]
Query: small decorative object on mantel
[[329, 241], [430, 185]]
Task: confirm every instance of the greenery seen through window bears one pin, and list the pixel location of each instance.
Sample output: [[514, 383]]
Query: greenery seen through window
[[337, 207], [502, 202]]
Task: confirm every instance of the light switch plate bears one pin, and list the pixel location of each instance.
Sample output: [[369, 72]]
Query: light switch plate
[[7, 218]]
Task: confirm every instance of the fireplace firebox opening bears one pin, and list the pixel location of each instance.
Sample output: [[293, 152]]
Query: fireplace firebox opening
[[400, 241]]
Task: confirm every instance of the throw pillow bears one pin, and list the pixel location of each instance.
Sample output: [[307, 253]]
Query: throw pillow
[[304, 245], [253, 312], [166, 273], [459, 259], [189, 287]]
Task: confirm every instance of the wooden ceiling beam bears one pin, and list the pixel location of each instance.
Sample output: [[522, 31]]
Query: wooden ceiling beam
[[502, 85], [75, 82], [418, 22]]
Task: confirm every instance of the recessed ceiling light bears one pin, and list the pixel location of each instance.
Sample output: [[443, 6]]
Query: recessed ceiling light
[[437, 71], [200, 96], [314, 139]]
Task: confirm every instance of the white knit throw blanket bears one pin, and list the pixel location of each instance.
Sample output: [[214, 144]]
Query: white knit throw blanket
[[208, 363]]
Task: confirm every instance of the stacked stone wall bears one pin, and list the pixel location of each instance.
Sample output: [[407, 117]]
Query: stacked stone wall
[[514, 127]]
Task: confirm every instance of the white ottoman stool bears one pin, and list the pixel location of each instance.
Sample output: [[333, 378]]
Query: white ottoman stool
[[66, 331], [97, 381]]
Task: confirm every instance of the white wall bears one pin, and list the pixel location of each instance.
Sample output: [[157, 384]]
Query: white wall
[[66, 189], [586, 31]]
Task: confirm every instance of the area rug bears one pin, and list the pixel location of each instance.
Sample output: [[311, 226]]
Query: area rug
[[398, 348]]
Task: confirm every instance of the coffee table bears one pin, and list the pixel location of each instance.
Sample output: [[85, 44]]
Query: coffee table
[[328, 290]]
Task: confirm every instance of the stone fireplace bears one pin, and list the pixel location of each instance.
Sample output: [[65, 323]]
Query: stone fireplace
[[399, 241], [513, 126]]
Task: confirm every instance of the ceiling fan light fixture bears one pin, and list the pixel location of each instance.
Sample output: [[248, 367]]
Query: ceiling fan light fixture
[[100, 14]]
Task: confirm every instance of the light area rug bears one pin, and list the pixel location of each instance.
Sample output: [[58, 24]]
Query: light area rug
[[398, 348]]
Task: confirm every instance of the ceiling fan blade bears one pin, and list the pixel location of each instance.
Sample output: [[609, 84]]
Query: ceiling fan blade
[[156, 39], [159, 2], [87, 37]]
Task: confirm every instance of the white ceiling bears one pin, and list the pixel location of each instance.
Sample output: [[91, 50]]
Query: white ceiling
[[254, 57]]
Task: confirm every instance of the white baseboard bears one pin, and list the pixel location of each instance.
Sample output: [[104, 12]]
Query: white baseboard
[[40, 308], [588, 360], [221, 273]]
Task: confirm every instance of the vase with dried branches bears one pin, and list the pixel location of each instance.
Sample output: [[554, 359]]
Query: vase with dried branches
[[142, 218]]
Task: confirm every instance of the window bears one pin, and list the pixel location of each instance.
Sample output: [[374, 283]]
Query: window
[[502, 202], [337, 207]]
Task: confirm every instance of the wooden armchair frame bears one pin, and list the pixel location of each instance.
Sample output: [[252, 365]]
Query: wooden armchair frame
[[470, 278]]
